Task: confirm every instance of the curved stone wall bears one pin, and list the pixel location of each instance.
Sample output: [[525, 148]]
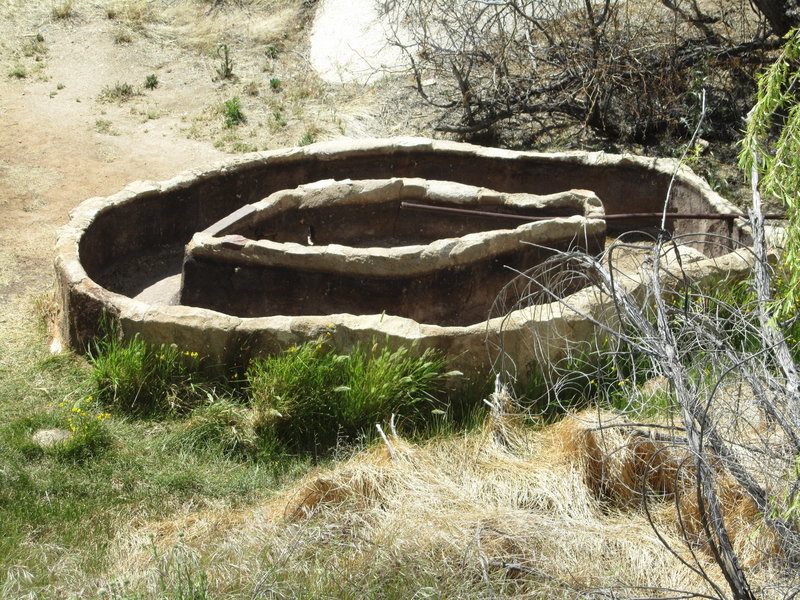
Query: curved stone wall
[[115, 248], [433, 251]]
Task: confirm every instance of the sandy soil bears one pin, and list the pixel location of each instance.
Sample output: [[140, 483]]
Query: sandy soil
[[349, 42], [52, 155]]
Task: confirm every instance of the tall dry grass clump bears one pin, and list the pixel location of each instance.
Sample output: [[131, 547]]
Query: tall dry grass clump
[[554, 512]]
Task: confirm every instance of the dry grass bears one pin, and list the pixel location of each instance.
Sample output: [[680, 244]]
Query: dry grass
[[62, 10], [555, 511]]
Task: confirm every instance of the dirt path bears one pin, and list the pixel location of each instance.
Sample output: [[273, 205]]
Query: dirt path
[[60, 145], [51, 159]]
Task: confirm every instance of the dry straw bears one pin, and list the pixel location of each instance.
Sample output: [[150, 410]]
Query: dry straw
[[556, 511]]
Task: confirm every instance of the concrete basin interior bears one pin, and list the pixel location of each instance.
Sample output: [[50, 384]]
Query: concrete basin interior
[[351, 247]]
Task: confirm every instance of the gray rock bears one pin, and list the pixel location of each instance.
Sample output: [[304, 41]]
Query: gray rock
[[47, 438]]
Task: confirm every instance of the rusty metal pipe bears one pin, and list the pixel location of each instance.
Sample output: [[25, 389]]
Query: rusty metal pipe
[[614, 217]]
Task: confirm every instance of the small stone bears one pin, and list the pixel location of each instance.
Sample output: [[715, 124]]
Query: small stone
[[47, 438]]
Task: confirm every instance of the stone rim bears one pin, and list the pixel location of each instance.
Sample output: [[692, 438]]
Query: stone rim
[[219, 334]]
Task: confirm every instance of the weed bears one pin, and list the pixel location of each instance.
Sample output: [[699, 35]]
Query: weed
[[63, 10], [271, 52], [104, 126], [121, 36], [232, 112], [310, 397], [136, 12], [279, 120], [275, 84], [225, 68], [251, 89], [35, 47], [151, 81], [242, 147], [89, 435], [309, 137], [19, 71], [60, 86], [119, 92]]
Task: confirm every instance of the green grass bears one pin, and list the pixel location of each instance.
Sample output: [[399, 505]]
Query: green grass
[[141, 380], [309, 137], [19, 72], [153, 434], [310, 397], [71, 500], [221, 427]]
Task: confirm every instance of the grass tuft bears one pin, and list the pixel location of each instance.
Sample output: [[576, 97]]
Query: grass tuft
[[19, 72], [309, 137], [222, 427], [119, 92], [63, 10], [142, 380], [310, 397]]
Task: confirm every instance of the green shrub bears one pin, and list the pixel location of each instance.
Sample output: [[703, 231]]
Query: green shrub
[[602, 372], [138, 379], [232, 112], [275, 84], [151, 81], [310, 397]]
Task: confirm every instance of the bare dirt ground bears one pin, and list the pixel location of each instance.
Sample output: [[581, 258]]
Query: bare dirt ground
[[69, 134]]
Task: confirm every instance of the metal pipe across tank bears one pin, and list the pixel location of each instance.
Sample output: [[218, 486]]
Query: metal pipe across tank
[[614, 217]]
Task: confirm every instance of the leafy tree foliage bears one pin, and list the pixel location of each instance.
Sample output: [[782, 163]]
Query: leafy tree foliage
[[771, 152]]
